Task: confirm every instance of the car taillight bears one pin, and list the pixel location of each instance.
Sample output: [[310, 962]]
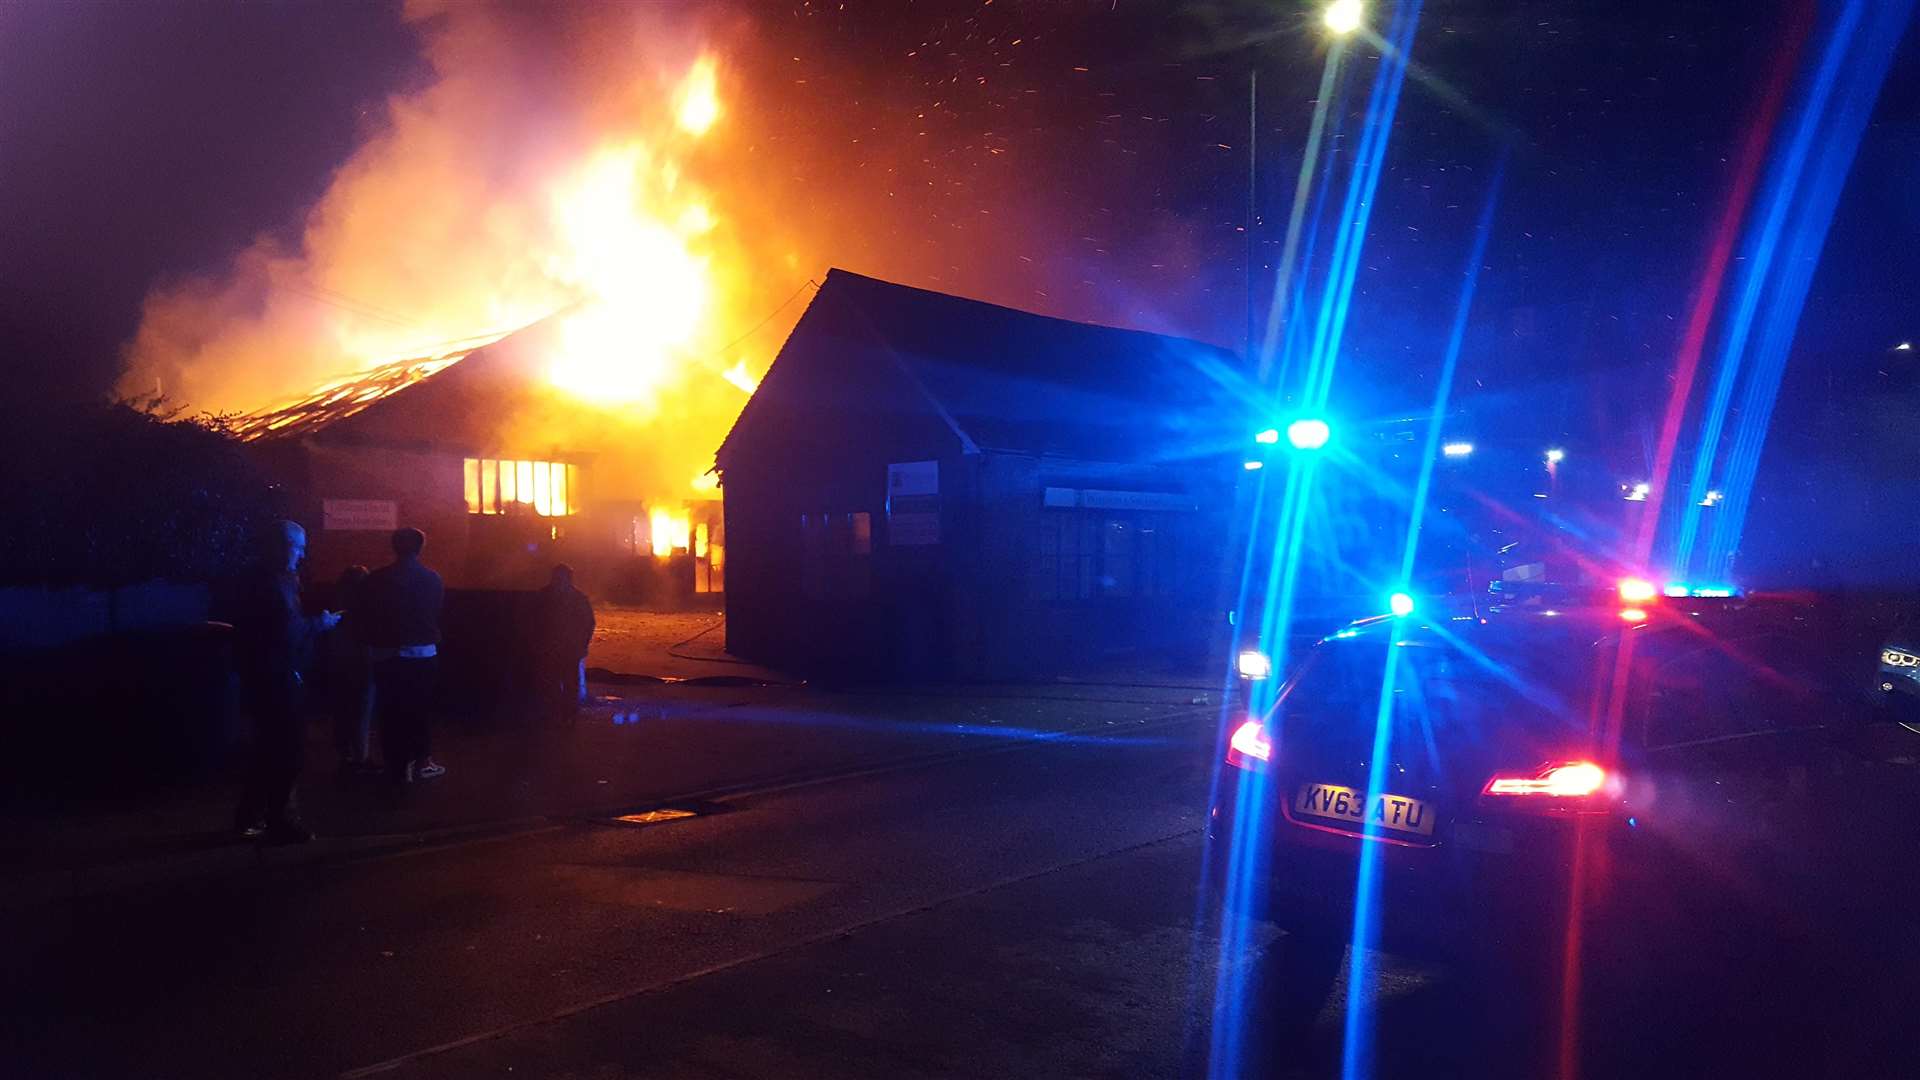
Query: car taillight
[[1563, 785], [1635, 590], [1249, 748]]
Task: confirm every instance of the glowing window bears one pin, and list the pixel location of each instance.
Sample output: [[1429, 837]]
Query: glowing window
[[542, 489], [523, 488], [546, 488]]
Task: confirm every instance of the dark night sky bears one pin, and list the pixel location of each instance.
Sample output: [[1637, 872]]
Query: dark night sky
[[140, 142]]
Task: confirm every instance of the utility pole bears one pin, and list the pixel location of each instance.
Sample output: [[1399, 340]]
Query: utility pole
[[1253, 138]]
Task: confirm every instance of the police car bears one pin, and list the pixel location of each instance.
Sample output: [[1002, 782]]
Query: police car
[[1562, 789]]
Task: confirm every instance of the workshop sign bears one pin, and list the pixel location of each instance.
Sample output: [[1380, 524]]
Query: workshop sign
[[359, 515]]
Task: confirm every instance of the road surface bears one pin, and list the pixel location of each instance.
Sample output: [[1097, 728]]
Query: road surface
[[1022, 907]]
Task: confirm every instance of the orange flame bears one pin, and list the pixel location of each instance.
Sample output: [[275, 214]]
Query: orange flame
[[699, 98], [671, 531], [629, 247], [739, 376]]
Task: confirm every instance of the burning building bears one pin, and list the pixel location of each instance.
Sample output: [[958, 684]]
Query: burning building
[[505, 477], [525, 344], [929, 485]]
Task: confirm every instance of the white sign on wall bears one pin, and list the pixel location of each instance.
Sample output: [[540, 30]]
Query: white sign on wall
[[913, 503], [1095, 499], [359, 515], [913, 478]]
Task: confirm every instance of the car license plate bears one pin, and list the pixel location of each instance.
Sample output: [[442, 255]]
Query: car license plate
[[1335, 802]]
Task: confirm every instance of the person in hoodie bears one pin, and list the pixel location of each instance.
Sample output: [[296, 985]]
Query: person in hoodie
[[273, 646], [399, 622]]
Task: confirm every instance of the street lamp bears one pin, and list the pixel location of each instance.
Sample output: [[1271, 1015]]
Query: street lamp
[[1343, 16]]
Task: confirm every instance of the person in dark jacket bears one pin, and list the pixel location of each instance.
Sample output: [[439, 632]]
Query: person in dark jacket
[[400, 624], [349, 676], [273, 642], [563, 628]]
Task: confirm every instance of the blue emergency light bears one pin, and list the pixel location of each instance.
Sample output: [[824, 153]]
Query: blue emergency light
[[1308, 433]]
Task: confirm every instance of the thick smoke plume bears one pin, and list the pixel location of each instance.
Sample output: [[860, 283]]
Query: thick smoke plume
[[671, 176], [552, 163]]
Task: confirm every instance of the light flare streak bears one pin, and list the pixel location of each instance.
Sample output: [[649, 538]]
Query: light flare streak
[[1357, 1042]]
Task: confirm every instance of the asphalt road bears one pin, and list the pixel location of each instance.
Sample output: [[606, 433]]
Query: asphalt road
[[326, 969], [1020, 912]]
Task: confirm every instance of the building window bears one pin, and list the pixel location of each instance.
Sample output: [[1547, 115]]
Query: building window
[[836, 555], [544, 488], [1098, 554]]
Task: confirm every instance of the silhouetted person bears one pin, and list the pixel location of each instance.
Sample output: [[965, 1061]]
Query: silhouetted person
[[349, 674], [400, 623], [563, 628], [273, 640]]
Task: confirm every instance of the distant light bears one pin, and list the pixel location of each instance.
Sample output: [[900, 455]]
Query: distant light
[[1400, 604], [1680, 589], [1550, 613], [1255, 664], [1343, 16], [1713, 499], [1633, 615], [1457, 449], [1308, 433], [1555, 456], [1254, 466], [1636, 590], [1905, 346], [1269, 436], [1540, 495], [1638, 492]]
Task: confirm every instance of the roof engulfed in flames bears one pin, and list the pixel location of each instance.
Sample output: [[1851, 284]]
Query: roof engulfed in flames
[[612, 240], [340, 398]]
